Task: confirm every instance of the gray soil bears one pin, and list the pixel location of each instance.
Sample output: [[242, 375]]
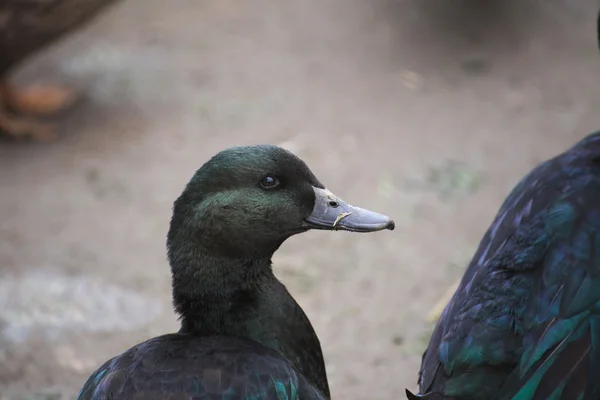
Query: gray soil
[[428, 111]]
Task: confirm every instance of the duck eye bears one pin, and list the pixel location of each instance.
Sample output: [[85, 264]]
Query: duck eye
[[268, 182]]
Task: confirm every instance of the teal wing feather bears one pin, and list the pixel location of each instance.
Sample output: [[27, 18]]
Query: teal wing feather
[[560, 357], [524, 322]]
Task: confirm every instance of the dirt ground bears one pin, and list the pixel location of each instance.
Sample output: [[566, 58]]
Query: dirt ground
[[428, 111]]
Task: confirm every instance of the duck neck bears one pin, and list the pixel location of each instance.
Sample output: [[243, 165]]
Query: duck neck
[[216, 295]]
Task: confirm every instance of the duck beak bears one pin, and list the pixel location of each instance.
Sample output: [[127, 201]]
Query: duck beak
[[332, 213]]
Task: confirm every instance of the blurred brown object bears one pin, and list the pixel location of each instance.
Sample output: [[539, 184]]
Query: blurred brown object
[[27, 26]]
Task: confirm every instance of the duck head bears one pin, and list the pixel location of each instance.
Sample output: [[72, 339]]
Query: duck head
[[245, 201]]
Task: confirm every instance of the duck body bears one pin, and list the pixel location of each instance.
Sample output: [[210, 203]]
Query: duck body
[[242, 336], [524, 323], [27, 26], [181, 366]]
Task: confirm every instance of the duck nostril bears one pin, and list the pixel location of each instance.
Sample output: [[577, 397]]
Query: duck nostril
[[334, 204]]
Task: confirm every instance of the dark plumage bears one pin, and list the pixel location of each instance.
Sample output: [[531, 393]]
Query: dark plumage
[[27, 26], [179, 366], [524, 323], [242, 335]]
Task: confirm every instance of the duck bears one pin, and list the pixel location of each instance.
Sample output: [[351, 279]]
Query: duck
[[26, 27], [524, 323], [242, 335], [436, 311]]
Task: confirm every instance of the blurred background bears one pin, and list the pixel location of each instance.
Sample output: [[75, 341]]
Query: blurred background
[[426, 110]]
